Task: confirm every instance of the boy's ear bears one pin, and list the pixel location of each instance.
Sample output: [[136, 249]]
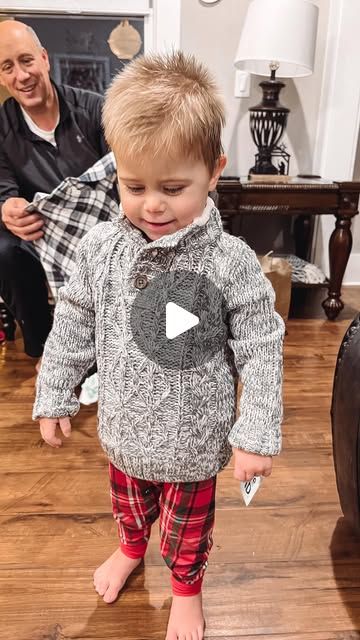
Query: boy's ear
[[219, 168]]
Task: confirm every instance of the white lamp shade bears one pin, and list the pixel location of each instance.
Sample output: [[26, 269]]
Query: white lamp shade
[[283, 31]]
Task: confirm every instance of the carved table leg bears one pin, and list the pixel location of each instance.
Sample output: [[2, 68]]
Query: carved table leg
[[339, 250]]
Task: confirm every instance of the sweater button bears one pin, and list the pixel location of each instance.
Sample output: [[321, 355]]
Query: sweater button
[[140, 282]]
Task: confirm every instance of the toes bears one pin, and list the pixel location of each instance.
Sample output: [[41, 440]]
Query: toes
[[112, 593], [171, 635], [96, 575], [101, 590], [101, 587]]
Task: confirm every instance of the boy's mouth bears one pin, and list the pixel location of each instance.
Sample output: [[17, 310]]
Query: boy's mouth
[[157, 225]]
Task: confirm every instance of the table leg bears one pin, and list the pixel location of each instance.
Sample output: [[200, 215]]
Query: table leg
[[339, 250]]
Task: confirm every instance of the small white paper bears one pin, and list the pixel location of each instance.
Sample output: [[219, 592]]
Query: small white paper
[[89, 390], [249, 488]]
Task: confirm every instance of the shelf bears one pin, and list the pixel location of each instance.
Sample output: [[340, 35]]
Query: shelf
[[304, 285]]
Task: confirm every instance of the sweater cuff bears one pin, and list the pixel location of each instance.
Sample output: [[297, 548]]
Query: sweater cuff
[[54, 403], [246, 436]]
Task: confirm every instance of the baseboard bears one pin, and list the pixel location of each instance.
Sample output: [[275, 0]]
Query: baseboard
[[352, 273]]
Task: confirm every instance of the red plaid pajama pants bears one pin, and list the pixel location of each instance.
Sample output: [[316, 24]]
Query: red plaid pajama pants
[[186, 511]]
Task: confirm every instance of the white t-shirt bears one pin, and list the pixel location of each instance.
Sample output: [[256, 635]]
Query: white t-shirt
[[49, 136]]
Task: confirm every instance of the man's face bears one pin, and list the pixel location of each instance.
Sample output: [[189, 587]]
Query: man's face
[[24, 69]]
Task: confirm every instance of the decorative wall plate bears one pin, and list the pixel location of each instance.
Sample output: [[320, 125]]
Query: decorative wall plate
[[125, 41]]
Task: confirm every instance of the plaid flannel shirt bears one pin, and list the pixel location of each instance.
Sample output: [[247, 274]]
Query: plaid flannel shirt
[[73, 208]]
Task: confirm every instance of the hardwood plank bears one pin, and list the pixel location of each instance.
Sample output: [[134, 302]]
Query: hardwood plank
[[85, 491], [301, 443], [327, 635], [246, 606], [285, 535]]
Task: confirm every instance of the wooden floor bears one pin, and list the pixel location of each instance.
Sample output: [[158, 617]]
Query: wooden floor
[[285, 567]]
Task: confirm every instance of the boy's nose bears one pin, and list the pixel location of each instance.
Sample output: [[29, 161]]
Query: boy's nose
[[154, 204]]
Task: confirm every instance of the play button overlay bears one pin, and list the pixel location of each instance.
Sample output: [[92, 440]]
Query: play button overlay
[[178, 320]]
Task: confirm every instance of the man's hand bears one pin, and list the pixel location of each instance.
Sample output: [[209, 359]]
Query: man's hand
[[48, 429], [26, 226], [248, 465]]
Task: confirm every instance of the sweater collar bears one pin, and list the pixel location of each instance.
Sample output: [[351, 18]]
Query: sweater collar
[[205, 227]]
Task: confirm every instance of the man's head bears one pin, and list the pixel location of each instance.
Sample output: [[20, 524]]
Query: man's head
[[24, 66], [163, 119]]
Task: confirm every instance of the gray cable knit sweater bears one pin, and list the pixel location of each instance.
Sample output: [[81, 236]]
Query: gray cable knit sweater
[[156, 424]]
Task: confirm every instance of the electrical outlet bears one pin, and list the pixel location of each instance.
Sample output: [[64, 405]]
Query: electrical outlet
[[242, 84]]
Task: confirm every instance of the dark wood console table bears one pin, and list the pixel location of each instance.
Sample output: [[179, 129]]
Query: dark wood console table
[[304, 199]]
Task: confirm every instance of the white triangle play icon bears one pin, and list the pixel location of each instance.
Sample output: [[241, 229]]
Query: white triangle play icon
[[178, 320]]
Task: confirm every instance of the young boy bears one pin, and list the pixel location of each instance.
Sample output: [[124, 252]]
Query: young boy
[[167, 432]]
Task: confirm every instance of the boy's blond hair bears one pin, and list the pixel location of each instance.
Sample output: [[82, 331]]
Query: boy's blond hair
[[164, 104]]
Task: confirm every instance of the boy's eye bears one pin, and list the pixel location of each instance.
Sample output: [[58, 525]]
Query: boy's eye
[[173, 190], [134, 189]]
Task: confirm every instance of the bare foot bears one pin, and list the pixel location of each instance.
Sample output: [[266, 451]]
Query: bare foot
[[111, 576], [186, 620]]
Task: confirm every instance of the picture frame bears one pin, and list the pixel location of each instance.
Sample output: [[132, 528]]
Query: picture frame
[[82, 70]]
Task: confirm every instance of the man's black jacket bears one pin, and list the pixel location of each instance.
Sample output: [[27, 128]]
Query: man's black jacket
[[29, 164]]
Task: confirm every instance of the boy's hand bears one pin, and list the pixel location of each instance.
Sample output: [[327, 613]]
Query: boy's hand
[[248, 465], [48, 429]]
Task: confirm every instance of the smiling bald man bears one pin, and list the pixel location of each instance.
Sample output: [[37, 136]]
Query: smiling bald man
[[47, 133]]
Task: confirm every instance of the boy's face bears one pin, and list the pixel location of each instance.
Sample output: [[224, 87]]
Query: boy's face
[[163, 195]]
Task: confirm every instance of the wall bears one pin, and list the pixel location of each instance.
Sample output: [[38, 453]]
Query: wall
[[339, 121], [356, 224], [211, 33]]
